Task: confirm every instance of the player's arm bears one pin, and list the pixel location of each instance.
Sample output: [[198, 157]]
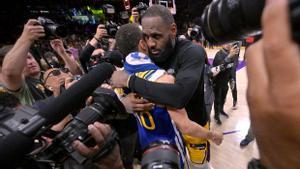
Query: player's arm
[[184, 124]]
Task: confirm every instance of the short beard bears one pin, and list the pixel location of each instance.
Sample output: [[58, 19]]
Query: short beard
[[165, 54]]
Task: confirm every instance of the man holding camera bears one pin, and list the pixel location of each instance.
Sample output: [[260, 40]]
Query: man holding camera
[[93, 47], [21, 76], [223, 57], [21, 72]]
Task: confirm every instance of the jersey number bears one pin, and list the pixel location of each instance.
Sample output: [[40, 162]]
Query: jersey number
[[147, 117]]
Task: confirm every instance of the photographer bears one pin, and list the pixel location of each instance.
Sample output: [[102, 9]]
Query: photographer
[[21, 72], [232, 81], [273, 68], [100, 47], [223, 57], [92, 47], [104, 153]]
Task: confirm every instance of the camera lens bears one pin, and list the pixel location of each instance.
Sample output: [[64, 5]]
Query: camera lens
[[161, 158], [52, 29], [228, 20]]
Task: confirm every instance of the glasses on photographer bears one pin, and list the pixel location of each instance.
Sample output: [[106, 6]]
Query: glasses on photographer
[[56, 72]]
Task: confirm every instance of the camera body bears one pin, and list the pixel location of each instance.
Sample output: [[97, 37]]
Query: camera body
[[52, 29], [113, 57], [229, 20], [141, 8], [108, 9], [196, 33], [111, 28], [25, 119]]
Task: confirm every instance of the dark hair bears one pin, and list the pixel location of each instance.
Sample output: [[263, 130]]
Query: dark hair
[[128, 37], [161, 11], [3, 51], [8, 100]]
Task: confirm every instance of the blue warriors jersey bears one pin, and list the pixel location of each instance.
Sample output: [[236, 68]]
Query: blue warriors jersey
[[155, 125]]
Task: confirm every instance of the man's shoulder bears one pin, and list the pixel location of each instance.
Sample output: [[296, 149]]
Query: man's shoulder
[[187, 50], [186, 46]]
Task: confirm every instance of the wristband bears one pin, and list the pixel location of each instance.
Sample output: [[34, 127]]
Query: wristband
[[98, 40]]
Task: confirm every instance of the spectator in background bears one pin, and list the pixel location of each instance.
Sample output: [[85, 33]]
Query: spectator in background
[[69, 62]]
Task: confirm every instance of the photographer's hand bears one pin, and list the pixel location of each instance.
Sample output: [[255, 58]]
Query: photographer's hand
[[32, 31], [234, 50], [58, 46], [100, 133], [273, 67], [100, 33]]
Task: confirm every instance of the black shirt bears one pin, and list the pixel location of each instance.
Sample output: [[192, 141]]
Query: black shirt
[[187, 92], [85, 56], [224, 76]]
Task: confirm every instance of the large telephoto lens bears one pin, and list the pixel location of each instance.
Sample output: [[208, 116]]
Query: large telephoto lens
[[162, 156], [229, 20]]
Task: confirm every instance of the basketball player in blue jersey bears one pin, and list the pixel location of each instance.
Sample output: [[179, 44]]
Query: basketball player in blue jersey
[[156, 126]]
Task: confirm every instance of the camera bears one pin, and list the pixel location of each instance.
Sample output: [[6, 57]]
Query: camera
[[108, 9], [229, 20], [111, 28], [141, 8], [113, 57], [52, 29], [237, 44], [105, 107], [196, 33], [160, 155]]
